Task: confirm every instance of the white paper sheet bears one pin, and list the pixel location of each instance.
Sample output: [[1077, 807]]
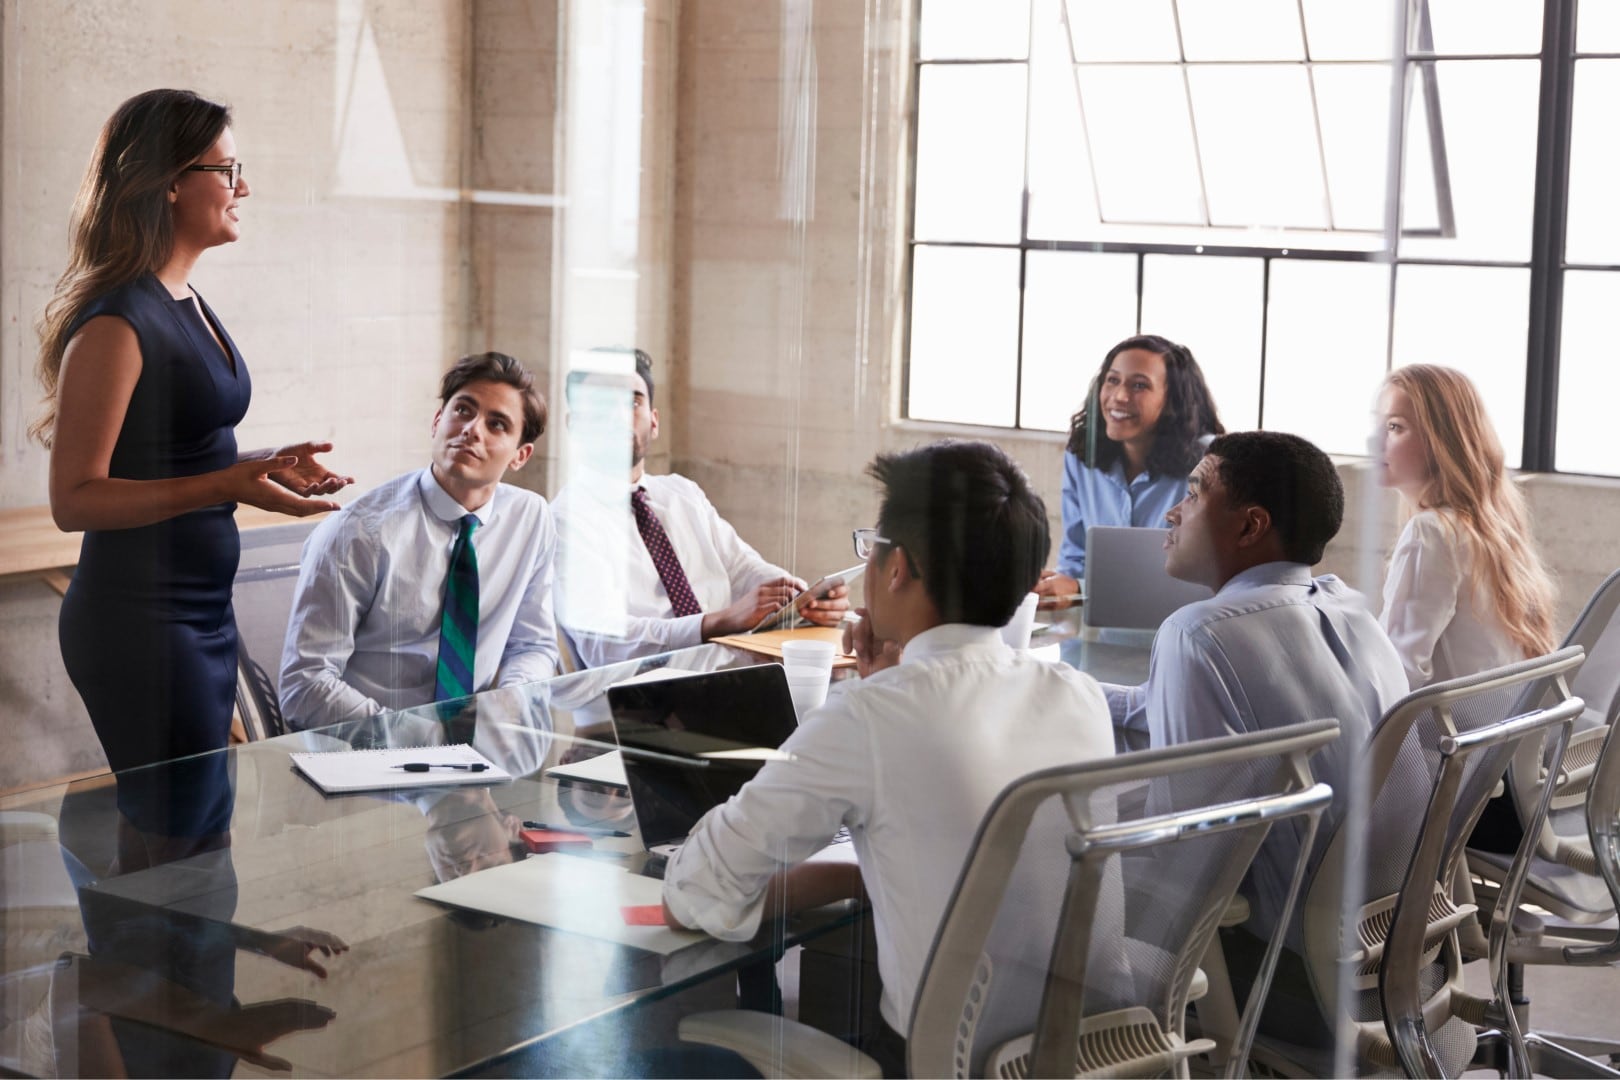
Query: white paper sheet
[[566, 892]]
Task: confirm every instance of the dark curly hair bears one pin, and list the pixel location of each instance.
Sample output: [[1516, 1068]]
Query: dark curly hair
[[1189, 413]]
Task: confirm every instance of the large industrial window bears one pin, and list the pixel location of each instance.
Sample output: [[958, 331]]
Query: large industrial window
[[1218, 171]]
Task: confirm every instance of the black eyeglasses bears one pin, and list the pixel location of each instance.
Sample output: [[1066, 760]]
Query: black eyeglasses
[[866, 540], [232, 172]]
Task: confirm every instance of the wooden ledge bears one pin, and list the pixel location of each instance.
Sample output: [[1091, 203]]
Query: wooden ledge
[[32, 547]]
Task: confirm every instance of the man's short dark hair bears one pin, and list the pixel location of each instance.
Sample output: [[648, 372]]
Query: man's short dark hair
[[498, 367], [968, 519], [1293, 481], [643, 363]]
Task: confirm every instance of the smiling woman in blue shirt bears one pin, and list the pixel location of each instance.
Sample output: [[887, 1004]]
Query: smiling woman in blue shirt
[[1144, 425]]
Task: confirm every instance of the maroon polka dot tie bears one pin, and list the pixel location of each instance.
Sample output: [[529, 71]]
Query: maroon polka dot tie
[[663, 556]]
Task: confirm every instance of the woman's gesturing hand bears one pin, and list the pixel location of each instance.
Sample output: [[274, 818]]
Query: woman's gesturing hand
[[306, 476]]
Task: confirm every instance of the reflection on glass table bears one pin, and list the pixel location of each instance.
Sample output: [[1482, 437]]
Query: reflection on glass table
[[221, 909]]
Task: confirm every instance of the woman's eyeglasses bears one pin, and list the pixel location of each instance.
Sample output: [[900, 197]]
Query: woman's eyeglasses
[[231, 172]]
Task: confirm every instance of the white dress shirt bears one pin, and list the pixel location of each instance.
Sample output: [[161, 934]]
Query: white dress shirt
[[1441, 618], [363, 636], [909, 760], [720, 566], [1273, 647]]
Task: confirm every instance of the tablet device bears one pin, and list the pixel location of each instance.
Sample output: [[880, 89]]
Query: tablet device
[[784, 615]]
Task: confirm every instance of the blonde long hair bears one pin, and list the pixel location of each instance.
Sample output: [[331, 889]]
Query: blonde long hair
[[1467, 476], [122, 226]]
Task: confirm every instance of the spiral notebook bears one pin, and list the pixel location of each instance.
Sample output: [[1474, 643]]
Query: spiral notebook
[[338, 771]]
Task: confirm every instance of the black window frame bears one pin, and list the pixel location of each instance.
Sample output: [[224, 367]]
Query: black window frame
[[1549, 223]]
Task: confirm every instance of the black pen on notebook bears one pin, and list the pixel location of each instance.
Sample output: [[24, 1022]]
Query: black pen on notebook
[[424, 766]]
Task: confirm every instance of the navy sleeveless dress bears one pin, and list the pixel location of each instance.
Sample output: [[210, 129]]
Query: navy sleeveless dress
[[147, 631]]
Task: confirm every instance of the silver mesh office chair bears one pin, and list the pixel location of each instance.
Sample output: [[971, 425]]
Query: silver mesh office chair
[[1404, 782], [262, 597], [1072, 942], [1563, 876]]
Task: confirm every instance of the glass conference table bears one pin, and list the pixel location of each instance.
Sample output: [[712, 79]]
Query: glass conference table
[[174, 920]]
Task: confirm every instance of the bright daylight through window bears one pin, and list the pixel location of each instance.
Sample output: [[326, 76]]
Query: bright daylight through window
[[1216, 171]]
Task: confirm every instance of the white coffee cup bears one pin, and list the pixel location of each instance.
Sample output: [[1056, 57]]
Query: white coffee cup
[[806, 694], [809, 655], [1016, 632]]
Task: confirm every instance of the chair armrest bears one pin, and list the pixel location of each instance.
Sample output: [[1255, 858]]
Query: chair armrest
[[778, 1047]]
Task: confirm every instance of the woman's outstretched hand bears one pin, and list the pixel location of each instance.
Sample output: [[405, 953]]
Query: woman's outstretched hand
[[252, 482], [306, 476]]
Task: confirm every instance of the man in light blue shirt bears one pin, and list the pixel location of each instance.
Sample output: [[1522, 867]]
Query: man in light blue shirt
[[1274, 646]]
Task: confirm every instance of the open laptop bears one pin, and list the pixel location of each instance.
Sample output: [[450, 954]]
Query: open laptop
[[1127, 586], [690, 743]]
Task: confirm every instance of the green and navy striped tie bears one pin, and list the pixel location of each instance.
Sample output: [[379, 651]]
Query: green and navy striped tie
[[458, 627]]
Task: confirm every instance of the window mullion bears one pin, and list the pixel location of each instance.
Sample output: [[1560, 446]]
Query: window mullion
[[1549, 226], [1023, 222]]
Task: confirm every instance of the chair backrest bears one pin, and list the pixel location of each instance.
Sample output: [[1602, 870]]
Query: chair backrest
[[1087, 901], [262, 596], [1408, 1017], [1597, 630], [1367, 858], [1603, 832]]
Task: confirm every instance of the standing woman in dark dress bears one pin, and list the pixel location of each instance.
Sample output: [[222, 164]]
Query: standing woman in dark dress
[[144, 388]]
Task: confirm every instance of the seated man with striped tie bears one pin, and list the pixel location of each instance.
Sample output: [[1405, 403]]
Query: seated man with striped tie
[[691, 577], [436, 584]]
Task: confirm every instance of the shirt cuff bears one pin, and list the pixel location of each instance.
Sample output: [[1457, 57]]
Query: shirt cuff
[[699, 909], [686, 631]]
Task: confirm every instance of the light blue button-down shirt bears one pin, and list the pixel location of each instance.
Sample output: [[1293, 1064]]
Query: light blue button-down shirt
[[1273, 647], [1104, 497]]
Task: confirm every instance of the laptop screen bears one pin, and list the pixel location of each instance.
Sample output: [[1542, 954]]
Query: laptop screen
[[676, 734], [1127, 586]]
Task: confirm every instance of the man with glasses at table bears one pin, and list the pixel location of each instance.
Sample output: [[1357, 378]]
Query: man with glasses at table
[[691, 578], [910, 757]]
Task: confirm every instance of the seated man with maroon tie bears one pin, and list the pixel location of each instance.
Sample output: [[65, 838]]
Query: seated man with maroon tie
[[436, 584], [691, 577]]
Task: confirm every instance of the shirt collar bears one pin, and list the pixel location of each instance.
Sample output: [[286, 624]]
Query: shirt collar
[[440, 503], [1117, 471], [1271, 573], [948, 638]]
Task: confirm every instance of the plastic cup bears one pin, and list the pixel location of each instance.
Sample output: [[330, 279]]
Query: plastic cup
[[806, 695], [809, 656], [1016, 632]]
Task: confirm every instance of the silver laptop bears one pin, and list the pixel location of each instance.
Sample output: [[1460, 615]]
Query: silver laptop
[[1127, 586]]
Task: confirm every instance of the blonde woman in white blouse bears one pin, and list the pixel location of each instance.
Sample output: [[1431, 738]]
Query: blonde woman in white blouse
[[1466, 589]]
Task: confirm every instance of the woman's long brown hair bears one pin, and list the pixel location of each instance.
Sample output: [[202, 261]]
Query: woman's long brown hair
[[1468, 477], [122, 226]]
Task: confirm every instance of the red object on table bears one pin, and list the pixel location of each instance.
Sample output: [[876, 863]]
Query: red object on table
[[540, 841]]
